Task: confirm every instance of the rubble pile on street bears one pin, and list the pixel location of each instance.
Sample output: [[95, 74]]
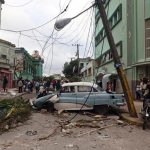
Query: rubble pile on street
[[12, 113], [95, 123]]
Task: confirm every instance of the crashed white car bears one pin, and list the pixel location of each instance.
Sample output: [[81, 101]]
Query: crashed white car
[[82, 95]]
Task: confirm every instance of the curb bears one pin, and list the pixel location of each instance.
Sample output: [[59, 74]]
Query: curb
[[134, 121]]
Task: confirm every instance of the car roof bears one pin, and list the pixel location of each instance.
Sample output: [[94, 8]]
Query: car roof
[[80, 84]]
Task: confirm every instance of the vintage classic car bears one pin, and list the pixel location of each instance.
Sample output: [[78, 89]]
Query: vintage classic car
[[85, 96]]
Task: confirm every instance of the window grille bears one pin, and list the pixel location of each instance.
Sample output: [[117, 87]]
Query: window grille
[[147, 38]]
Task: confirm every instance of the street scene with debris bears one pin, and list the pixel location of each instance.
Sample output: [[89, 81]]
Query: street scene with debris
[[88, 130], [74, 75]]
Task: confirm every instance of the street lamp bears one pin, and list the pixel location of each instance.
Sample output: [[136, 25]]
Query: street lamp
[[60, 24]]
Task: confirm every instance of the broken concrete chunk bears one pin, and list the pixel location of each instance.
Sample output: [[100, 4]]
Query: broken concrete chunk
[[120, 122], [60, 111], [43, 111], [31, 133], [66, 131]]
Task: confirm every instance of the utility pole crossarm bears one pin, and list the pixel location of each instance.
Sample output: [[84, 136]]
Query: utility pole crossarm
[[117, 62]]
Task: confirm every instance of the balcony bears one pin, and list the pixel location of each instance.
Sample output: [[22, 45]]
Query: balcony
[[4, 63]]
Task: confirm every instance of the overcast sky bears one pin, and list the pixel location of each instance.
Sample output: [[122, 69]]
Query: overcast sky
[[19, 15]]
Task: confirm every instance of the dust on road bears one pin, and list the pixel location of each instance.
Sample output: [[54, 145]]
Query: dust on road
[[116, 137]]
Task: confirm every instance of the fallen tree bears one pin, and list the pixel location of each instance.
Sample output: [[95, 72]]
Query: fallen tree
[[12, 112]]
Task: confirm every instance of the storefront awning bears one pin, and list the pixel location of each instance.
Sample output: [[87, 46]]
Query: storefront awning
[[5, 71]]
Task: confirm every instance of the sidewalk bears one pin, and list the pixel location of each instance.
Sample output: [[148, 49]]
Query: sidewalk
[[126, 116], [9, 94]]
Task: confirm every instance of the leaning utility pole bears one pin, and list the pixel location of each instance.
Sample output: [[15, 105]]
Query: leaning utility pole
[[117, 62]]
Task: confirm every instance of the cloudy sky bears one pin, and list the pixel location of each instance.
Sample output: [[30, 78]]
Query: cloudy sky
[[28, 24]]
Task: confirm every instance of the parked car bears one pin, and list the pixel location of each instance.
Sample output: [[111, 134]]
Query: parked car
[[85, 95]]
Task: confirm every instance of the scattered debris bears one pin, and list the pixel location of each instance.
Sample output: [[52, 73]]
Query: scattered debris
[[99, 117], [5, 145], [66, 131], [95, 130], [12, 111], [72, 146], [60, 111], [31, 133], [114, 117], [50, 134], [105, 136], [120, 122], [7, 127], [71, 125], [43, 111]]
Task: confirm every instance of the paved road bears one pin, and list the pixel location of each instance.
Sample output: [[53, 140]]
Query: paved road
[[117, 137]]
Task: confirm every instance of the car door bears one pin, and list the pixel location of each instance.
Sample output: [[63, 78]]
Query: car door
[[102, 98], [68, 95], [84, 93]]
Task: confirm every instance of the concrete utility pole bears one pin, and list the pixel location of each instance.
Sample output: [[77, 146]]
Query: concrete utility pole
[[117, 62], [77, 54], [1, 2]]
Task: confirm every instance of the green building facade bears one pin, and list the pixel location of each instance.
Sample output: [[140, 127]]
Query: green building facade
[[27, 67], [129, 21], [38, 64]]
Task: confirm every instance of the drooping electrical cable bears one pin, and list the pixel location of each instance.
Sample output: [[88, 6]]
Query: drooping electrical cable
[[92, 38], [22, 5], [67, 32], [52, 50], [44, 47], [77, 36], [37, 39], [39, 25], [88, 35], [51, 57]]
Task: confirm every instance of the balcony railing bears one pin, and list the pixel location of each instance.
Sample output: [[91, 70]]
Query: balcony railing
[[4, 61]]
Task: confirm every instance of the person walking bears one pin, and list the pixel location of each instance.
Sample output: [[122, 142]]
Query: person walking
[[138, 91], [37, 87], [20, 85], [5, 82]]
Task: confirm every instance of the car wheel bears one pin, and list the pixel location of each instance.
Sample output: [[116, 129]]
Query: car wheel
[[49, 106], [101, 109]]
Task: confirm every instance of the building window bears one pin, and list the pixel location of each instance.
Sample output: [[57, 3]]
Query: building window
[[147, 38], [97, 16], [81, 65], [89, 72], [3, 56], [107, 56], [115, 18]]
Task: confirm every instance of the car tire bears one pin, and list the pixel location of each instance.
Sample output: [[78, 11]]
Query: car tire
[[49, 106], [101, 109]]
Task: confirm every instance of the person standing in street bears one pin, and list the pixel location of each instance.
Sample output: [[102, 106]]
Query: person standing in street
[[20, 85], [5, 82]]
